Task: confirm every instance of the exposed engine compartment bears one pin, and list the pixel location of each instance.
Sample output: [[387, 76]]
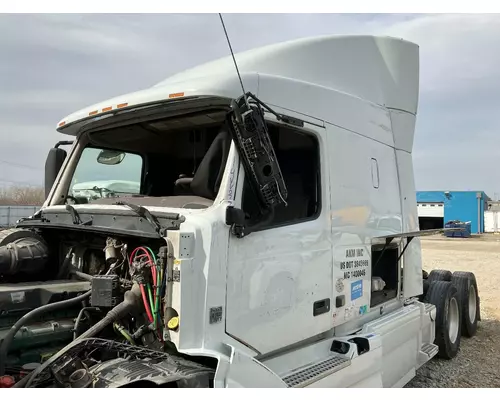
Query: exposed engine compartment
[[77, 309]]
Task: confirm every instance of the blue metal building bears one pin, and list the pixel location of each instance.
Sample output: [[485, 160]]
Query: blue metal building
[[436, 208]]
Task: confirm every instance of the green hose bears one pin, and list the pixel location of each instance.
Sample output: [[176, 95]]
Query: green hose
[[157, 305], [152, 304], [124, 332], [152, 254]]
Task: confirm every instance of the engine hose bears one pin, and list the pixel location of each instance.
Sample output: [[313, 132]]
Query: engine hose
[[82, 275], [37, 312], [117, 312], [124, 332], [87, 277], [78, 320], [131, 302], [67, 261]]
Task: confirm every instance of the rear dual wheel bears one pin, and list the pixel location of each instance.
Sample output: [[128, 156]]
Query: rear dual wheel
[[439, 275], [444, 296], [434, 276], [466, 285], [457, 308]]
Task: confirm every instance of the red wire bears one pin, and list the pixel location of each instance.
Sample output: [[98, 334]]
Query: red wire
[[153, 268], [150, 259], [153, 273], [131, 258], [146, 305]]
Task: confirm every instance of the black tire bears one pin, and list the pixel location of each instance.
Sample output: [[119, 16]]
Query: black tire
[[425, 274], [425, 289], [463, 282], [439, 275], [479, 307], [441, 294], [426, 285]]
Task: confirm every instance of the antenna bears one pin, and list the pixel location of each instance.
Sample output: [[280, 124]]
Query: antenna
[[234, 60]]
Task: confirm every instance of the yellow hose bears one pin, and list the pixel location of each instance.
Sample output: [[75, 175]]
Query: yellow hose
[[124, 333]]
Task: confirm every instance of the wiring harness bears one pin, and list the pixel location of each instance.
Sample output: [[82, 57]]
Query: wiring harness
[[152, 278]]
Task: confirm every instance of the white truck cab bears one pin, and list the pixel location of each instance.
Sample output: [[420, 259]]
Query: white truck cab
[[289, 214]]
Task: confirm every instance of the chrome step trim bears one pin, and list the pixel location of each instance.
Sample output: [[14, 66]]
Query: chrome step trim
[[430, 349], [315, 372], [429, 307]]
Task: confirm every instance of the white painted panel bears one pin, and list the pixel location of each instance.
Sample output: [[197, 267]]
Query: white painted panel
[[275, 275], [359, 212], [435, 210], [491, 221], [247, 372], [331, 106], [412, 258]]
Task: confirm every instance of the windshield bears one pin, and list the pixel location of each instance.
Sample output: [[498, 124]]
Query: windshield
[[161, 164], [102, 173]]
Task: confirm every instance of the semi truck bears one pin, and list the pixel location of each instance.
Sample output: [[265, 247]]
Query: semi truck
[[270, 238]]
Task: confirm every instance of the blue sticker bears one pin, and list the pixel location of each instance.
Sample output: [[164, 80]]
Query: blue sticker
[[356, 290], [363, 309]]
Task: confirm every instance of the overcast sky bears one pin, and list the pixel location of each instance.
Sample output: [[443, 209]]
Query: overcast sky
[[52, 65]]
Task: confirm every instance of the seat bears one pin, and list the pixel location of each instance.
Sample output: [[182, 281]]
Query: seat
[[208, 176], [183, 185]]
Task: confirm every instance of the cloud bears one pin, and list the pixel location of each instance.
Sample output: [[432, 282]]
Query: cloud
[[456, 50], [65, 62]]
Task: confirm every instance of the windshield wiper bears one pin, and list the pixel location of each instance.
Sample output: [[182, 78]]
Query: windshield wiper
[[144, 213], [76, 217]]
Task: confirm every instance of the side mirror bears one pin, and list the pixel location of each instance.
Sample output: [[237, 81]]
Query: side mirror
[[235, 218], [53, 164], [110, 157]]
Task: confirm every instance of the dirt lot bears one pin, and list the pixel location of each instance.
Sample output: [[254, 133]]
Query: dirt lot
[[478, 362]]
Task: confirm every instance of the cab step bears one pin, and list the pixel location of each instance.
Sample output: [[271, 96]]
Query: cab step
[[427, 351], [429, 307], [311, 373]]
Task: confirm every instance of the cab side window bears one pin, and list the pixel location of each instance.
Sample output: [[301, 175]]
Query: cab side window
[[298, 156]]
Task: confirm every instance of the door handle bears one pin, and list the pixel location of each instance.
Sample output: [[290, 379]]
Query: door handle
[[321, 307]]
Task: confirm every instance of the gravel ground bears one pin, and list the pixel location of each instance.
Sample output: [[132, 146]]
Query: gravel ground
[[478, 361]]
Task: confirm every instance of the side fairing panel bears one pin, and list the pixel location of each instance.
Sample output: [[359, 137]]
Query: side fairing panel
[[412, 258], [403, 128]]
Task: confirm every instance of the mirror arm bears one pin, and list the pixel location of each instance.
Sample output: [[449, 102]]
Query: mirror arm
[[235, 218], [63, 143]]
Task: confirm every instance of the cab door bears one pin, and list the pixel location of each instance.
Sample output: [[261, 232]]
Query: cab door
[[279, 279]]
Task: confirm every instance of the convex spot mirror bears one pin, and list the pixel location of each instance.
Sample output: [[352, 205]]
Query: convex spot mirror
[[110, 157]]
